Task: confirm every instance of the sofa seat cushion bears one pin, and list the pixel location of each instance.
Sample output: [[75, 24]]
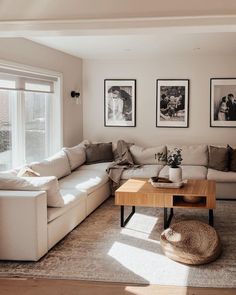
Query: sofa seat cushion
[[71, 199], [188, 172], [145, 171], [221, 176], [84, 180], [98, 166]]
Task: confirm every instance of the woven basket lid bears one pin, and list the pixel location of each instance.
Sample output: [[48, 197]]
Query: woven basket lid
[[191, 242]]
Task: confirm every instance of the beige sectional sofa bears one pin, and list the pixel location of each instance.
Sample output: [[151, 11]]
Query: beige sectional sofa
[[194, 166], [29, 227]]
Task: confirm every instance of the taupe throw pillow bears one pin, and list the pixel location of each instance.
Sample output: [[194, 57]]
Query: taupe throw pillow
[[98, 153], [232, 158], [218, 158]]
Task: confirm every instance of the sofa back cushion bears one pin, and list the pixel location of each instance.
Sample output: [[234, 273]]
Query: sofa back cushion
[[148, 156], [57, 165], [48, 184], [194, 155], [99, 152], [76, 154]]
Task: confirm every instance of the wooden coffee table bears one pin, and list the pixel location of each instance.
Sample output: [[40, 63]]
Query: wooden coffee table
[[139, 192]]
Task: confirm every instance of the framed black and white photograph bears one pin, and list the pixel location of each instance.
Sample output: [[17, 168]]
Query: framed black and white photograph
[[172, 103], [120, 102], [223, 102]]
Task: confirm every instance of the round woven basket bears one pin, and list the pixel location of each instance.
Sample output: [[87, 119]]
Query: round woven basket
[[191, 242]]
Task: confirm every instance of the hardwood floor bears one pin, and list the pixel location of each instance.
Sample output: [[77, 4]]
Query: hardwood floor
[[68, 287]]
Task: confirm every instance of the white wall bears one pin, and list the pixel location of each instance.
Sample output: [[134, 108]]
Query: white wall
[[26, 52], [199, 69]]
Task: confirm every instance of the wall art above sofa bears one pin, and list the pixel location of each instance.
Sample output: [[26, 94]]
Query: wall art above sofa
[[120, 102], [223, 102], [172, 103]]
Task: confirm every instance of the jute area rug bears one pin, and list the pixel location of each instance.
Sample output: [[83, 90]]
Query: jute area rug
[[100, 250]]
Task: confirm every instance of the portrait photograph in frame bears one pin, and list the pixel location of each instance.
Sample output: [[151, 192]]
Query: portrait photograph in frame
[[120, 102], [223, 102], [172, 103]]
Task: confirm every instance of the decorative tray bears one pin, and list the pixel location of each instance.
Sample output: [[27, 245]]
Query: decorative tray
[[162, 184]]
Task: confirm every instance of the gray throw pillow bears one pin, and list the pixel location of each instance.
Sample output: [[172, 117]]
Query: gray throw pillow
[[232, 158], [99, 152], [218, 158]]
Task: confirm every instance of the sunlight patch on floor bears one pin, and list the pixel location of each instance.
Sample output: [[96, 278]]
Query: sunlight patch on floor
[[142, 223], [140, 230], [149, 265], [138, 234]]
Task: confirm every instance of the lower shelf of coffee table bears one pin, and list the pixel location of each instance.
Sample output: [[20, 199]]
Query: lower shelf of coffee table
[[178, 201]]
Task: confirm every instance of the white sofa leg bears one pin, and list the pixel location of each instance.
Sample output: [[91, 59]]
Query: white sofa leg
[[23, 225]]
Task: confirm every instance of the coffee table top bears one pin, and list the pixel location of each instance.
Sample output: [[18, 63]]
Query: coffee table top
[[140, 192], [195, 187]]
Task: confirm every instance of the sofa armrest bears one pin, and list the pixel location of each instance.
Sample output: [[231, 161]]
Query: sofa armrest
[[23, 225]]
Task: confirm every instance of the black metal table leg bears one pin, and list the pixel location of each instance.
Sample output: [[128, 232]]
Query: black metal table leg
[[171, 215], [124, 221], [167, 220], [211, 217]]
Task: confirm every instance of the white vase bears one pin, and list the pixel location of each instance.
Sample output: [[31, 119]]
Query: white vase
[[175, 174]]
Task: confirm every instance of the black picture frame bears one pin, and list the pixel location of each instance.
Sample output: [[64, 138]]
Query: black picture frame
[[223, 102], [172, 103], [120, 102]]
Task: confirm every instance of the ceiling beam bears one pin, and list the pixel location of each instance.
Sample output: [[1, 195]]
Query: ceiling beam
[[122, 26]]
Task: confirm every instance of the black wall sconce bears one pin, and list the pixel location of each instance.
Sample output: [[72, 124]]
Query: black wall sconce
[[75, 95]]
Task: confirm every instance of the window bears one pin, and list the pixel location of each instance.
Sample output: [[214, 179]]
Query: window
[[30, 116]]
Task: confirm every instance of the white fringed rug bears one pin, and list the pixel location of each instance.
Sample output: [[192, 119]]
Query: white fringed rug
[[100, 250]]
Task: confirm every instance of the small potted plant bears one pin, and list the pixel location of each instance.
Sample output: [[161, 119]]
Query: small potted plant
[[174, 159]]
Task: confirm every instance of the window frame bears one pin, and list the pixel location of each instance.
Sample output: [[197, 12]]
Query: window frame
[[18, 109]]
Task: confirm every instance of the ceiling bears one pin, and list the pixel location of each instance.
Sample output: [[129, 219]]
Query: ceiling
[[141, 45], [111, 29]]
